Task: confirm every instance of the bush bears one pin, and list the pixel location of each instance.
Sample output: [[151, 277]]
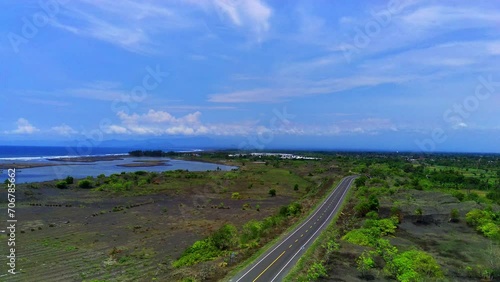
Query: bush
[[62, 185], [454, 215], [272, 192], [69, 180], [85, 184], [362, 237], [316, 271], [365, 262], [236, 196], [414, 265], [203, 250], [225, 237], [459, 195], [367, 205], [384, 226]]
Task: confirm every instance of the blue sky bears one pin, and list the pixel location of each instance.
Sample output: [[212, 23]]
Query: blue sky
[[391, 75]]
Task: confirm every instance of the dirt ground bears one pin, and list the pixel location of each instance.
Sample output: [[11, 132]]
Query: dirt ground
[[457, 247], [70, 236]]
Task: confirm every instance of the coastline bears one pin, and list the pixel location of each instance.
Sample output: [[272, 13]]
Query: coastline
[[90, 159]]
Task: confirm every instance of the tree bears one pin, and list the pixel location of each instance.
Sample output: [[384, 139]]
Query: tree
[[296, 187], [360, 181], [272, 192]]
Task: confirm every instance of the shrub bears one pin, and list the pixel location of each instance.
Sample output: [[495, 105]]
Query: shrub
[[454, 215], [225, 237], [459, 195], [236, 196], [414, 265], [296, 187], [62, 185], [203, 250], [69, 180], [85, 184], [252, 230], [384, 226], [362, 237], [372, 215], [317, 270], [490, 230], [477, 217], [272, 192], [367, 205], [365, 262]]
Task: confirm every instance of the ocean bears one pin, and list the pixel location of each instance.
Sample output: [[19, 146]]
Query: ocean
[[41, 155]]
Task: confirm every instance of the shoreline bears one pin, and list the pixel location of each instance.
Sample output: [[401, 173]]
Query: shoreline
[[90, 159]]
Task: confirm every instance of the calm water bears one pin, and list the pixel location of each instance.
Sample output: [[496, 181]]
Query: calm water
[[82, 170]]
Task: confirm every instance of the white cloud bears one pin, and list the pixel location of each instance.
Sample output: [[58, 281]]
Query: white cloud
[[64, 129], [24, 127], [128, 24], [250, 15]]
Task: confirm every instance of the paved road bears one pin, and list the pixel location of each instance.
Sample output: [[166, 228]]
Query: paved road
[[277, 261]]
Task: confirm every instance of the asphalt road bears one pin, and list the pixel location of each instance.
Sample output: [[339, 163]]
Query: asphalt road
[[277, 261]]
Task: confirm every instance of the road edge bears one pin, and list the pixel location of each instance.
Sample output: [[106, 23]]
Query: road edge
[[299, 266]]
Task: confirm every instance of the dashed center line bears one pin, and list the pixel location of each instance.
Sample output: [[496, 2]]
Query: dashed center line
[[269, 266]]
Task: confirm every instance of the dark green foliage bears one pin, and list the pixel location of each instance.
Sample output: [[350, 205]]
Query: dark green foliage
[[454, 215], [459, 195], [225, 238], [360, 181], [293, 209], [62, 185], [272, 192], [85, 184], [367, 205], [69, 180]]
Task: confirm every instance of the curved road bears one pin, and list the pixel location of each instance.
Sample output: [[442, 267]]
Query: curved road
[[277, 261]]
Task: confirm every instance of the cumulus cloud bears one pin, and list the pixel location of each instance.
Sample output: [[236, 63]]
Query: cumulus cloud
[[24, 127], [64, 129]]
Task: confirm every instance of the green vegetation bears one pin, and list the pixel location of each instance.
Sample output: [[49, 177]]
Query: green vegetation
[[227, 238], [85, 184], [69, 180], [62, 185], [416, 190], [485, 221], [209, 248], [272, 192]]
